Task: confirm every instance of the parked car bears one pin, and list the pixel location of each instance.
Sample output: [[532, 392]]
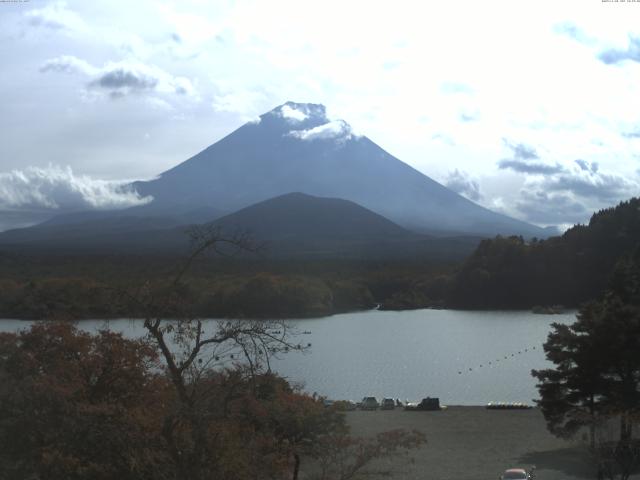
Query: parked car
[[427, 403], [350, 405], [344, 405], [387, 404], [517, 474], [369, 403]]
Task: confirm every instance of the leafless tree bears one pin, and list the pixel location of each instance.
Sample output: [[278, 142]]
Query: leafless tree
[[191, 348]]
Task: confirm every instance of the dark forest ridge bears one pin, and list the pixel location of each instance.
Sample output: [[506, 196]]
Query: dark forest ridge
[[509, 272]]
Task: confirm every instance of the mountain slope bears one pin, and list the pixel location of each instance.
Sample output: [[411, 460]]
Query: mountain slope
[[296, 148], [292, 225], [297, 215]]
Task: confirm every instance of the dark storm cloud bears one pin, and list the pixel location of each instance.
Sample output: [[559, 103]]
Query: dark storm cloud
[[601, 186], [533, 168], [551, 209], [615, 55], [461, 183], [522, 151], [586, 166], [570, 196], [121, 78], [525, 159], [558, 193]]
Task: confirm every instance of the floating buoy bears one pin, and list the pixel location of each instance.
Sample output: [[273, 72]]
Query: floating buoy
[[505, 357]]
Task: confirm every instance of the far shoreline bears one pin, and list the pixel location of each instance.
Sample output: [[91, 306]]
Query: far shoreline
[[567, 311]]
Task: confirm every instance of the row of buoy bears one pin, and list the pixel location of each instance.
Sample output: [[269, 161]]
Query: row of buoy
[[217, 358], [508, 406], [497, 360]]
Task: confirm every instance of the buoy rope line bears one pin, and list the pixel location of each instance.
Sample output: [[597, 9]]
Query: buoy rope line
[[502, 359]]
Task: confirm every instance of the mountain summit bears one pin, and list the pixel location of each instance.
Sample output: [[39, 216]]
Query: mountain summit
[[297, 148]]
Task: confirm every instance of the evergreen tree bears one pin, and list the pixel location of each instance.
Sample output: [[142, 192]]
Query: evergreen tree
[[597, 364]]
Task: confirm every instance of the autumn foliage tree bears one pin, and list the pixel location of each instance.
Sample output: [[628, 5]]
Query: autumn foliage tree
[[76, 406]]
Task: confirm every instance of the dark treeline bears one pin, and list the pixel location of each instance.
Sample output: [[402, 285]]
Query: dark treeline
[[566, 270], [92, 286], [504, 273]]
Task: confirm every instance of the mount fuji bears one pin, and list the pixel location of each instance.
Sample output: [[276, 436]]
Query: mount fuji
[[297, 148], [341, 181]]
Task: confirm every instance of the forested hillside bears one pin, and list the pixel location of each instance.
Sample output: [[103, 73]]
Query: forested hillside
[[509, 272]]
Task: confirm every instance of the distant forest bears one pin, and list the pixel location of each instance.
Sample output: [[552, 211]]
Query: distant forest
[[502, 273], [566, 270], [76, 287]]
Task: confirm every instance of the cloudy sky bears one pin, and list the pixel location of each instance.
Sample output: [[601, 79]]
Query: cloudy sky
[[531, 108]]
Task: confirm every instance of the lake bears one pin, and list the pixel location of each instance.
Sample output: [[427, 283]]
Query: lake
[[462, 357]]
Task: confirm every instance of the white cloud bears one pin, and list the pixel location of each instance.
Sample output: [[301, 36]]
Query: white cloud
[[59, 188], [244, 103], [69, 64], [338, 129], [56, 16], [293, 114]]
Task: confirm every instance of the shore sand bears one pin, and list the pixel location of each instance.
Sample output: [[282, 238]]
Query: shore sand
[[475, 443]]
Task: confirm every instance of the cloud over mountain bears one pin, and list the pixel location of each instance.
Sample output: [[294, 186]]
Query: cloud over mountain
[[59, 188], [336, 129], [293, 114]]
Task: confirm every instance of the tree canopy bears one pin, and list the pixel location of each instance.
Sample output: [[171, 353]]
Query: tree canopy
[[511, 272], [597, 365]]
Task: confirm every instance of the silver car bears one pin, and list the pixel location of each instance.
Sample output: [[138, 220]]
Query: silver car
[[387, 404], [369, 403]]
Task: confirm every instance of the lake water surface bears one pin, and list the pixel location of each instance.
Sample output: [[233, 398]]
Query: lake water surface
[[462, 357]]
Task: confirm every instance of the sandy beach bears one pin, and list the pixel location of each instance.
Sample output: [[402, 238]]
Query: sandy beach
[[475, 443]]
